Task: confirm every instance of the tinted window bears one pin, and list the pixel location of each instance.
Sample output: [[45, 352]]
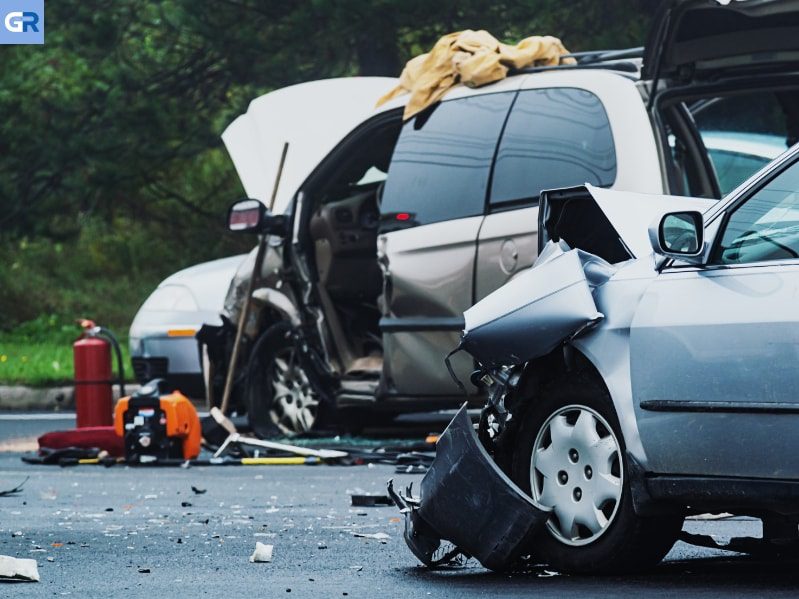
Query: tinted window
[[732, 168], [766, 226], [743, 132], [553, 138], [442, 160]]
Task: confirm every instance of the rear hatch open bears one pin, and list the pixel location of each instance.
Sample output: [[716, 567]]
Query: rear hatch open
[[704, 40]]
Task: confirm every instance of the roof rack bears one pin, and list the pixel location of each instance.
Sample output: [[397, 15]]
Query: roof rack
[[595, 56], [625, 61]]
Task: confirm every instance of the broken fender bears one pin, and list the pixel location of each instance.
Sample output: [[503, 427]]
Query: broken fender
[[534, 313], [467, 500]]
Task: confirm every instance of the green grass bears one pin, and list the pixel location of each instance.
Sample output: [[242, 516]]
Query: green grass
[[35, 364], [38, 353]]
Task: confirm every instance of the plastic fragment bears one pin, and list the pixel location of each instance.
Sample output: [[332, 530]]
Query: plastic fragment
[[18, 570], [262, 553]]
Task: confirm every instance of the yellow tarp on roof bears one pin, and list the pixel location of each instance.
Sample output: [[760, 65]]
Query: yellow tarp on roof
[[473, 58]]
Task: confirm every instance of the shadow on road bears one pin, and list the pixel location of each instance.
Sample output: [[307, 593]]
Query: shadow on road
[[718, 576]]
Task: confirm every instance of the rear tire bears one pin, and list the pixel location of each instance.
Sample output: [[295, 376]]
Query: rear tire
[[283, 395], [570, 455]]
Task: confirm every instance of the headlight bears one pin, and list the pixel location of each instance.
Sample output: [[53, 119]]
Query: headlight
[[171, 298]]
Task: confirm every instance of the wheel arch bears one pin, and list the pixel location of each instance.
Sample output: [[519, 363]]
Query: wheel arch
[[611, 375]]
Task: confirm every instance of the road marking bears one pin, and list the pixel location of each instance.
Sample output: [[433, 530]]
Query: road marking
[[66, 416]]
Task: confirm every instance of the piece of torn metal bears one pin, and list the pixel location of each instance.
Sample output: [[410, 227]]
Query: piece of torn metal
[[234, 438], [262, 553], [534, 313], [468, 501], [323, 454], [14, 490], [13, 569]]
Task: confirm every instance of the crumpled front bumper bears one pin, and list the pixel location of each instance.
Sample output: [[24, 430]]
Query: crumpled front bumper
[[467, 500]]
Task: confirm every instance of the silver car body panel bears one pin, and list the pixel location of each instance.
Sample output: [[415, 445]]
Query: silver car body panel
[[531, 315], [723, 337]]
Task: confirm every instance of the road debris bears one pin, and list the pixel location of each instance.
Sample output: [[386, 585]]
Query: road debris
[[198, 491], [14, 490], [262, 553], [365, 500], [18, 570], [378, 536]]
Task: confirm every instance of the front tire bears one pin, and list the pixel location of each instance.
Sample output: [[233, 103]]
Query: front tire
[[283, 396], [570, 455]]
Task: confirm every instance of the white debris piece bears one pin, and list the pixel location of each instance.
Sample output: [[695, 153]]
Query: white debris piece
[[14, 570], [380, 536], [262, 553]]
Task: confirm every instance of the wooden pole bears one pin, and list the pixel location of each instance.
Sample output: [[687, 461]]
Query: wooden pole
[[245, 308]]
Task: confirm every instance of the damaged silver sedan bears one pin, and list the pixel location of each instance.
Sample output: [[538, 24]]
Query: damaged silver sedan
[[644, 369]]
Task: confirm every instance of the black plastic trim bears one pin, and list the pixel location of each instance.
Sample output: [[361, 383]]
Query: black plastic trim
[[421, 323], [729, 407], [754, 495]]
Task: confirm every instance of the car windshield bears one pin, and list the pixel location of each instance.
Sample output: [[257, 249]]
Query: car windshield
[[766, 226]]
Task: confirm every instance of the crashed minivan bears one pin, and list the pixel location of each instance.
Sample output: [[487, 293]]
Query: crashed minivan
[[383, 232], [643, 370]]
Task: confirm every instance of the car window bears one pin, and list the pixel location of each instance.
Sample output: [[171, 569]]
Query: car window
[[743, 132], [732, 168], [557, 137], [766, 226], [442, 160]]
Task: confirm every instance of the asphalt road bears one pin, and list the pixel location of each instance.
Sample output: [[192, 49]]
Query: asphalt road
[[123, 532]]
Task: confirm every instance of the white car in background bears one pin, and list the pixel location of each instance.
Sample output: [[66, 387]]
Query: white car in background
[[738, 155], [162, 343]]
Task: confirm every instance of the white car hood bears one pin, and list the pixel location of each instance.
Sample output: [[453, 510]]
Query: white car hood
[[312, 117], [611, 224], [632, 213]]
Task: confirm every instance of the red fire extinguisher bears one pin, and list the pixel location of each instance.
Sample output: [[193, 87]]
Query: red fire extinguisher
[[93, 377]]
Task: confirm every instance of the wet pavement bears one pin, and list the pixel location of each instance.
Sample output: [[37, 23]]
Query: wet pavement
[[136, 532]]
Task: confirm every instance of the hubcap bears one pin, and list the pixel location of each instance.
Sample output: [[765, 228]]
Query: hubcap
[[576, 470], [294, 401]]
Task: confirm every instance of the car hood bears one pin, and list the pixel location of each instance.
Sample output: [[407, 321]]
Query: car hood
[[311, 117], [693, 40], [607, 223]]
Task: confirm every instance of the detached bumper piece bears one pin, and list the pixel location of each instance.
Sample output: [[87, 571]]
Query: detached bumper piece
[[468, 501]]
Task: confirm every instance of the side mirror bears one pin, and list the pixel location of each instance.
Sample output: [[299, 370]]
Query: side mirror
[[679, 235], [251, 216]]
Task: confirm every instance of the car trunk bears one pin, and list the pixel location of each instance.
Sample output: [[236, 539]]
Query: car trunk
[[704, 40]]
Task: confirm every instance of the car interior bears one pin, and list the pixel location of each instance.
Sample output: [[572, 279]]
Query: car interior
[[342, 227]]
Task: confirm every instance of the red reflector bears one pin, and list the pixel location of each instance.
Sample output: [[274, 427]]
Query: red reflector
[[403, 216]]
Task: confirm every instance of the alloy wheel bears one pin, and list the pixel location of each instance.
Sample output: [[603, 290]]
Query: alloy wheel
[[295, 404]]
